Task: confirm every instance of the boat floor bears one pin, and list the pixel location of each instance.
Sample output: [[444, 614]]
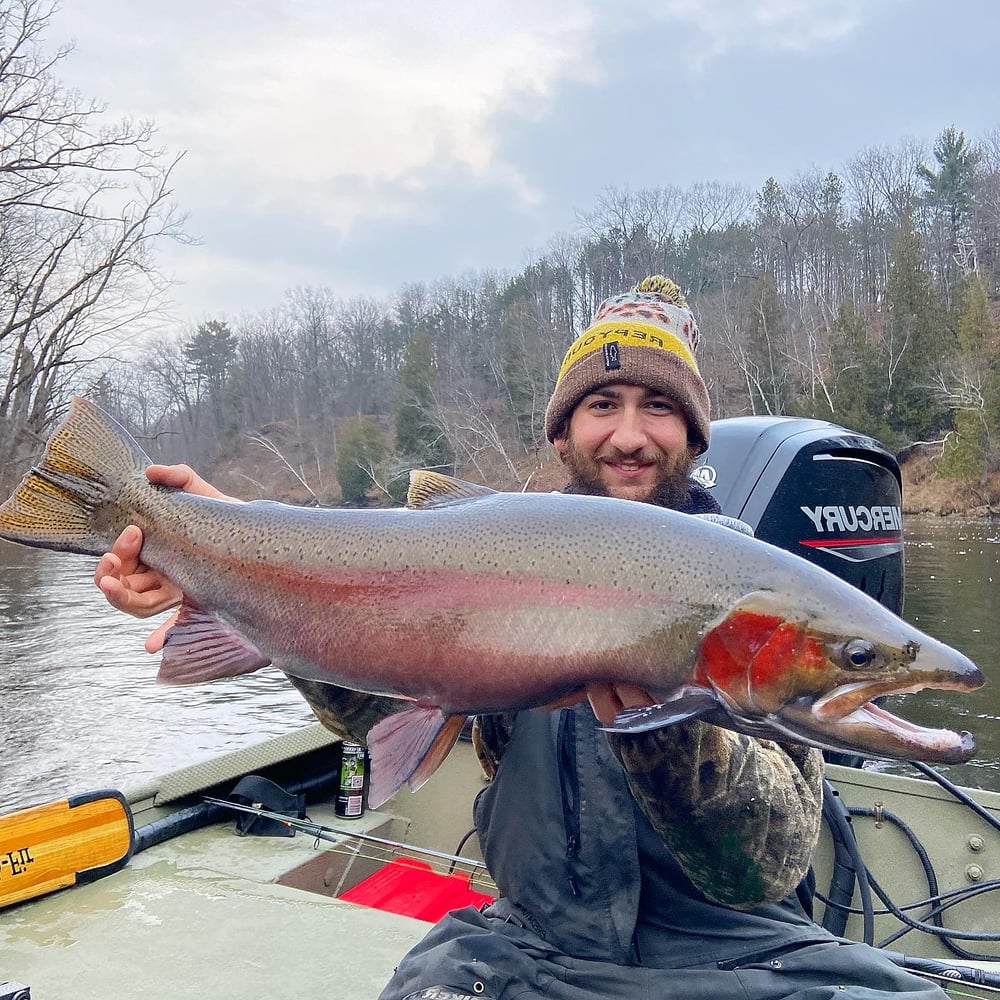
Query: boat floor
[[213, 914], [205, 915]]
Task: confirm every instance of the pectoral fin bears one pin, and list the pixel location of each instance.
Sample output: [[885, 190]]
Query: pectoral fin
[[201, 647], [689, 703]]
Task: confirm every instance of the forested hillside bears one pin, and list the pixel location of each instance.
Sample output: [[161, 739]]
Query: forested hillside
[[866, 299]]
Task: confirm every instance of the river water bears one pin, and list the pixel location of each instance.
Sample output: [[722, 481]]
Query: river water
[[80, 709]]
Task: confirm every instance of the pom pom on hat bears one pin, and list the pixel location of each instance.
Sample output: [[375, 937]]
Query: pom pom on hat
[[646, 337]]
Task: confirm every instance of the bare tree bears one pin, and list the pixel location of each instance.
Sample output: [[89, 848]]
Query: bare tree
[[636, 228], [360, 345], [872, 210], [479, 435], [896, 172], [711, 206], [986, 211], [83, 203]]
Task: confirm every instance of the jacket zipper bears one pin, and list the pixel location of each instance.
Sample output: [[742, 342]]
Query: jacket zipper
[[569, 784]]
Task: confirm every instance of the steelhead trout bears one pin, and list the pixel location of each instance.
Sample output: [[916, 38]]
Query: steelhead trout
[[471, 601]]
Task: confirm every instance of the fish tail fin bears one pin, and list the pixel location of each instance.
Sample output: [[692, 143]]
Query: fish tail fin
[[68, 501], [408, 747]]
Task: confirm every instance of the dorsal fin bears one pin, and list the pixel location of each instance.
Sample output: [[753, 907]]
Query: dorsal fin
[[728, 522], [432, 489]]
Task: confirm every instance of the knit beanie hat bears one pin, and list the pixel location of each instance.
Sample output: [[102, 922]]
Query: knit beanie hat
[[646, 337]]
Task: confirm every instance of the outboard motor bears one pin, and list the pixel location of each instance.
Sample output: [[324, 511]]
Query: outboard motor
[[827, 494]]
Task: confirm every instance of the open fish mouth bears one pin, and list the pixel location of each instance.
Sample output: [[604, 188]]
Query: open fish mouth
[[847, 699], [946, 746], [848, 717]]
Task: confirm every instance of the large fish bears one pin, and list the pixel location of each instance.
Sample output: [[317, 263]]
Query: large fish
[[473, 601]]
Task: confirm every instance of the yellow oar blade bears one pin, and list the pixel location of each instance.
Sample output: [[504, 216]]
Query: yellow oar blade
[[59, 844]]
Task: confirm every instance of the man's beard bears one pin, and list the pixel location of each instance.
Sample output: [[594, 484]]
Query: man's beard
[[669, 490]]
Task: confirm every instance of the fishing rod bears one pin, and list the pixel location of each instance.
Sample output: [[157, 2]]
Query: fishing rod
[[334, 836]]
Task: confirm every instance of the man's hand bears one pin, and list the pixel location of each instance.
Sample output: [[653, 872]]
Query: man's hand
[[126, 582], [183, 477]]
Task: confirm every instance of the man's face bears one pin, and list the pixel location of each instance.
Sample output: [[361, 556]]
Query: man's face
[[628, 442]]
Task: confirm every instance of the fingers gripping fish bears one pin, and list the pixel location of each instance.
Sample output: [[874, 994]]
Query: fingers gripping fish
[[472, 601]]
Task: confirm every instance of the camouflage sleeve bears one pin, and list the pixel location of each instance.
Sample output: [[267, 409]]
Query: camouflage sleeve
[[490, 736], [741, 815]]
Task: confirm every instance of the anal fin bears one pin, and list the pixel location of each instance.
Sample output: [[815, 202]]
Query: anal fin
[[408, 747]]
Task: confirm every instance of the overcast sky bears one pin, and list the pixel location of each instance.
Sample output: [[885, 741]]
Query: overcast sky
[[365, 145]]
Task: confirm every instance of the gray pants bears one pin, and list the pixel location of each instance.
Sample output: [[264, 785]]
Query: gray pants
[[483, 956]]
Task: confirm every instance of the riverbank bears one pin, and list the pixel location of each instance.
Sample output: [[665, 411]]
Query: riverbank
[[925, 492], [250, 471]]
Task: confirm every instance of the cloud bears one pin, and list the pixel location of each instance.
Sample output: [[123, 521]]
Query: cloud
[[352, 114], [346, 113], [708, 31], [366, 145], [220, 276]]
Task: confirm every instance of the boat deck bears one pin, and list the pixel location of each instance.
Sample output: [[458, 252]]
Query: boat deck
[[213, 914], [204, 915]]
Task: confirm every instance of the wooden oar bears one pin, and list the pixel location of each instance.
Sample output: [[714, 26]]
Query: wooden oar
[[59, 844]]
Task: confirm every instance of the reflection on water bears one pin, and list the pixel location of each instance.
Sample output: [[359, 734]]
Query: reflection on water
[[80, 708]]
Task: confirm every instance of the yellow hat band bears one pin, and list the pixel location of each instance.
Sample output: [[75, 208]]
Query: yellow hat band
[[639, 334]]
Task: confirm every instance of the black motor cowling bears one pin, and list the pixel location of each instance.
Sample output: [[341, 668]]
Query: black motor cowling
[[826, 493]]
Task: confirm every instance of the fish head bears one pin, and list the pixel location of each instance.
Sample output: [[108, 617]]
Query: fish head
[[778, 668]]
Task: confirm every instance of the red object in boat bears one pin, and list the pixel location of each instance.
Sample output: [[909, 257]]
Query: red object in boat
[[413, 889]]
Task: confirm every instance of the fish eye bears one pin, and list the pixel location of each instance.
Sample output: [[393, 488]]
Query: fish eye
[[859, 653]]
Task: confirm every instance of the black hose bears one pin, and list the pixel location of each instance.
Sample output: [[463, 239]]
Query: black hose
[[176, 824], [848, 867], [949, 786], [936, 901], [925, 862], [843, 878], [946, 971]]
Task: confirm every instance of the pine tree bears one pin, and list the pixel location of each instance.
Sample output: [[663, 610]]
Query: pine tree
[[210, 355], [970, 388], [361, 451], [950, 196], [915, 342], [419, 440], [858, 363], [951, 188], [211, 352]]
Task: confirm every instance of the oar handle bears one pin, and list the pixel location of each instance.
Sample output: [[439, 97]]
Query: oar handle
[[63, 843]]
